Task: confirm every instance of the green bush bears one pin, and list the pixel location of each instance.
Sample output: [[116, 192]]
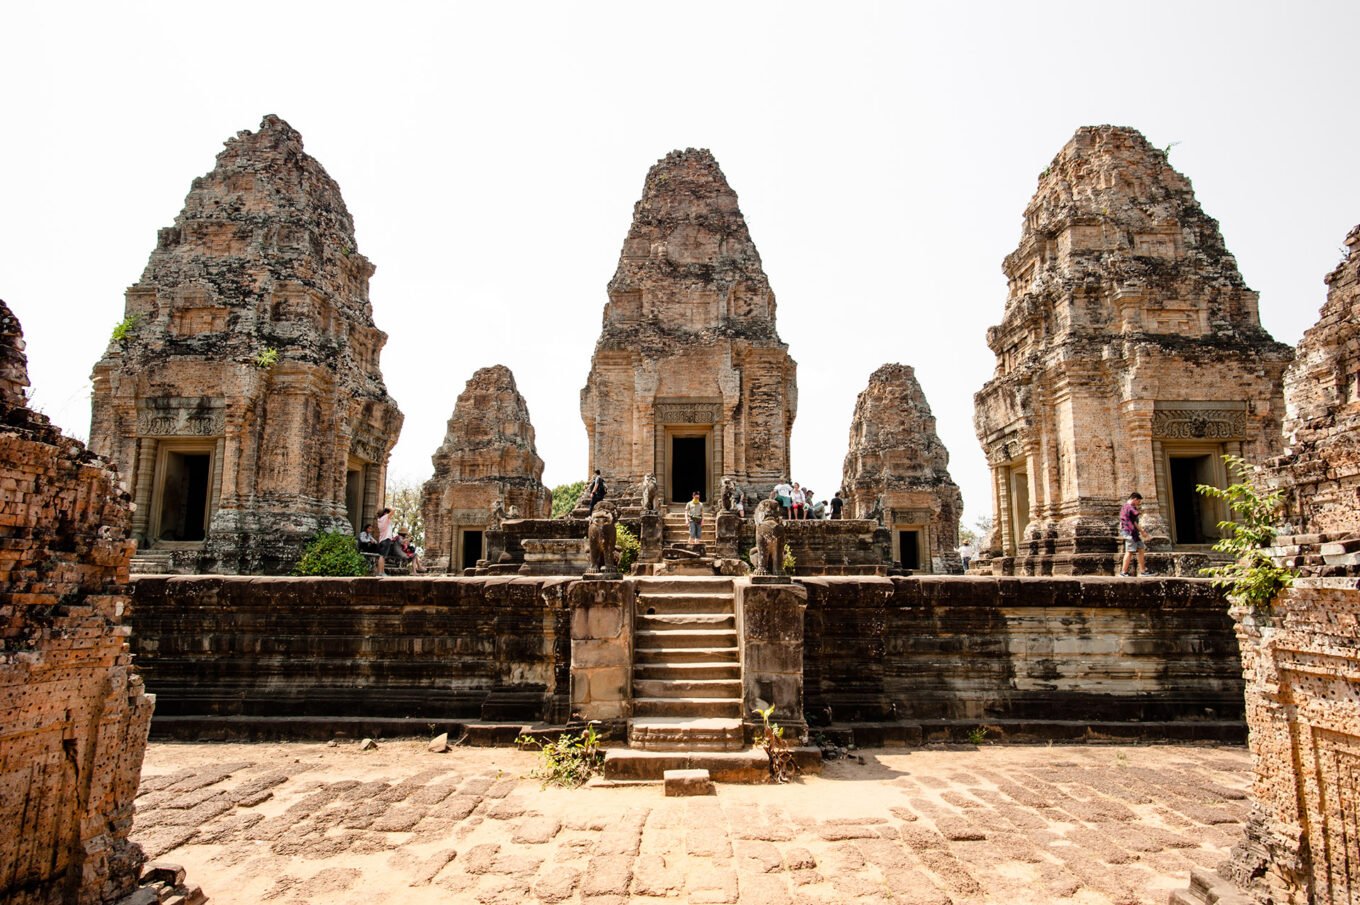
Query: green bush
[[569, 761], [790, 561], [565, 497], [123, 329], [628, 547], [332, 554]]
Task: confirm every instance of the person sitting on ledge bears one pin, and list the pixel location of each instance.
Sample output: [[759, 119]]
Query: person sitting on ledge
[[368, 541]]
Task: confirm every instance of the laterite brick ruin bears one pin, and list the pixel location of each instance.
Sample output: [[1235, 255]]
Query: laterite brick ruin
[[74, 716], [245, 406], [1130, 357]]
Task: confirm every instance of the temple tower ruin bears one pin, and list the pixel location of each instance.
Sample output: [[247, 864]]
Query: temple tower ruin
[[689, 379], [897, 471], [1321, 463], [487, 455], [1130, 357], [241, 396]]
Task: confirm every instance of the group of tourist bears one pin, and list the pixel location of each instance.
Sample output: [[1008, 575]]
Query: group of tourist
[[382, 540], [798, 502]]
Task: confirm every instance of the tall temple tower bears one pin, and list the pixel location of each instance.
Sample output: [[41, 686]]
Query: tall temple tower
[[241, 395], [689, 380], [1130, 357]]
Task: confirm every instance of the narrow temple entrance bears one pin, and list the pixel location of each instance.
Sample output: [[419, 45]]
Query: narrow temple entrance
[[909, 544], [354, 498], [688, 467], [1192, 520], [184, 496], [472, 548]]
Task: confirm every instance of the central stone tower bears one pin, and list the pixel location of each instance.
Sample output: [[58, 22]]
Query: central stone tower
[[689, 380]]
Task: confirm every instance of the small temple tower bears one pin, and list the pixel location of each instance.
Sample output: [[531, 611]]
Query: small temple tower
[[897, 471], [689, 380], [241, 395], [487, 455], [1130, 357]]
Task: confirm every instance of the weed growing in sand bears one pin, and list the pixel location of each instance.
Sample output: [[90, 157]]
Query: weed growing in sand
[[569, 761]]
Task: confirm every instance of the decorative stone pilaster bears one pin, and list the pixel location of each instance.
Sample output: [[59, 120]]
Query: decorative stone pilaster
[[601, 649], [770, 626]]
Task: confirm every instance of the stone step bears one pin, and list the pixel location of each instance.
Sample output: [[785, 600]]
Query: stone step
[[685, 585], [681, 671], [687, 687], [690, 706], [723, 765], [663, 604], [712, 655], [674, 733], [651, 622], [671, 639]]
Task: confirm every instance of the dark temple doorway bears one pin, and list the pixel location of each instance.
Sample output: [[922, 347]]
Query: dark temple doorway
[[1187, 506], [472, 548], [184, 497], [689, 471], [910, 545]]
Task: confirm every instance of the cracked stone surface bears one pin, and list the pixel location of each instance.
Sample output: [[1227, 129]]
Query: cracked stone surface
[[302, 822]]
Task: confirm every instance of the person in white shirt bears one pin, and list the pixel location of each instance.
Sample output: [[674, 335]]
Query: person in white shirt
[[694, 513], [783, 493], [799, 501], [966, 553], [385, 537]]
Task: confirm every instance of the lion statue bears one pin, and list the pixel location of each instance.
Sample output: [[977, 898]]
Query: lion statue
[[649, 492], [729, 493], [493, 523], [603, 533], [768, 554]]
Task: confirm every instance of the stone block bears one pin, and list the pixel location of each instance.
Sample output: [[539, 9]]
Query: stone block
[[681, 783]]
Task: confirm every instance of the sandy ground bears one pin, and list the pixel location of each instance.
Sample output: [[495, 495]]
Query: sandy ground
[[301, 822]]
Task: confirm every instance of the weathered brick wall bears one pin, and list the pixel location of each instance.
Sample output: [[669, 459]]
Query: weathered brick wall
[[840, 546], [446, 648], [1302, 666], [73, 716], [1022, 655]]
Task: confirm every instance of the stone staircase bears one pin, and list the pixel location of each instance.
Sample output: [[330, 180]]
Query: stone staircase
[[675, 527], [687, 691]]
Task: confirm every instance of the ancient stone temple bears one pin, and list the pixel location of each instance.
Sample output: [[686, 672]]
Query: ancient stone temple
[[241, 395], [1130, 357], [897, 471], [1321, 463], [689, 380], [488, 455], [73, 715]]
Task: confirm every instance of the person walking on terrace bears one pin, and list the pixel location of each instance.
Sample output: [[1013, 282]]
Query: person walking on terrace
[[1135, 538], [597, 490], [694, 514]]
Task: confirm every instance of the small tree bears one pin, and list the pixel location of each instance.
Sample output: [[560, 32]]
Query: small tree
[[1252, 578], [404, 499], [564, 497]]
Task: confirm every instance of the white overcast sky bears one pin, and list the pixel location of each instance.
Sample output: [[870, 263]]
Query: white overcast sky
[[491, 153]]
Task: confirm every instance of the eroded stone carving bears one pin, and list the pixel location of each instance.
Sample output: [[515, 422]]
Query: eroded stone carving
[[649, 492], [897, 471], [689, 379], [245, 406], [603, 534], [768, 554], [1130, 357]]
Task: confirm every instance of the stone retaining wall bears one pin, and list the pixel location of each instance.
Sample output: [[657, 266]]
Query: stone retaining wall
[[1035, 656], [439, 648], [919, 655]]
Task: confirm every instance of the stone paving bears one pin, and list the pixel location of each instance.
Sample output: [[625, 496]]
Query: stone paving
[[303, 822]]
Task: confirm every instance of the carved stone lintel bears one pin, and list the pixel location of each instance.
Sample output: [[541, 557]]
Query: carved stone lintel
[[688, 412], [1199, 424]]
